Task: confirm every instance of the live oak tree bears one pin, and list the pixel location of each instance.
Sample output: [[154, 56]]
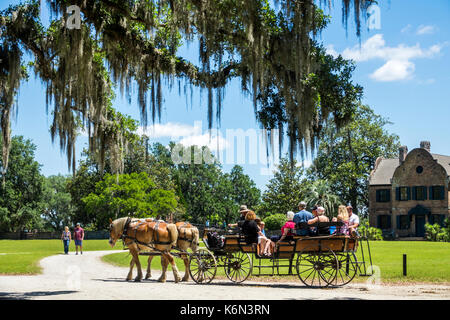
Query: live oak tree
[[273, 51], [21, 193], [346, 157]]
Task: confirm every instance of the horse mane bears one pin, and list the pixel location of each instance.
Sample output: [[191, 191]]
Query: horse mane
[[119, 223]]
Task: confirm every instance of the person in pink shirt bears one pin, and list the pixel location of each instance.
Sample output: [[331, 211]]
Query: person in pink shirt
[[78, 233], [287, 231]]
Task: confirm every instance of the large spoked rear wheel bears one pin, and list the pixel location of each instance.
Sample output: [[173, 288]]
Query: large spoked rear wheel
[[238, 266], [316, 269], [202, 266], [346, 268]]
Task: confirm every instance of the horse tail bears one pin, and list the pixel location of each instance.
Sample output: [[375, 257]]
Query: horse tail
[[173, 234]]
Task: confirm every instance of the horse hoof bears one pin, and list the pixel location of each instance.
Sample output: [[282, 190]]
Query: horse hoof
[[137, 280], [162, 280]]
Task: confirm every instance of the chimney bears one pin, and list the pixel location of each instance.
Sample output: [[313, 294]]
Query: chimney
[[426, 145], [402, 152]]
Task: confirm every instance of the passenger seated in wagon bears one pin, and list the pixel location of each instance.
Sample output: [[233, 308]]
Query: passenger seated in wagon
[[320, 216], [265, 246], [342, 217], [287, 230], [250, 228]]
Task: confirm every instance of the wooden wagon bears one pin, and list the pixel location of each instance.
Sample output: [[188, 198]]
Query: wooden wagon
[[318, 261]]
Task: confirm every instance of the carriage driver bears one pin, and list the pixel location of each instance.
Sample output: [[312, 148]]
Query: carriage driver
[[243, 210]]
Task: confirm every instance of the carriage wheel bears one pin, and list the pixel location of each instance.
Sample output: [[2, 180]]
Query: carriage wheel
[[202, 266], [316, 269], [238, 266], [346, 268]]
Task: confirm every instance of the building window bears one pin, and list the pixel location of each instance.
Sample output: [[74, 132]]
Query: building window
[[419, 169], [383, 195], [403, 222], [384, 221], [419, 193], [437, 218], [403, 193], [437, 193]]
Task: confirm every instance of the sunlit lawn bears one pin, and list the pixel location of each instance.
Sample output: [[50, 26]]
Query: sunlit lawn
[[22, 256]]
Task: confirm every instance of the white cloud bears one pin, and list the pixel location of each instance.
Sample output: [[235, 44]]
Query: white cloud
[[185, 134], [330, 50], [398, 64], [422, 29], [394, 70], [173, 130], [213, 142], [406, 29]]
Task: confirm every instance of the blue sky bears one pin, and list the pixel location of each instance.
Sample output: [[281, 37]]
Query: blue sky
[[404, 67]]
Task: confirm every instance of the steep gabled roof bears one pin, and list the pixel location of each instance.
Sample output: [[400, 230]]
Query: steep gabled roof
[[384, 171]]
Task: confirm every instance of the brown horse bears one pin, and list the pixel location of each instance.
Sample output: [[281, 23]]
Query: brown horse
[[188, 238], [140, 235]]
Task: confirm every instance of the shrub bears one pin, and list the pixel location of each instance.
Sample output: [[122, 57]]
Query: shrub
[[370, 232], [275, 221], [434, 232]]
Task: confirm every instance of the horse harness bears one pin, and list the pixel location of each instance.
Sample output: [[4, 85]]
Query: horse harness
[[182, 233], [134, 239]]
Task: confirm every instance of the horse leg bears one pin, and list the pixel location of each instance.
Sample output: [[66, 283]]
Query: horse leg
[[138, 266], [164, 264], [176, 273], [186, 267], [149, 267], [130, 273]]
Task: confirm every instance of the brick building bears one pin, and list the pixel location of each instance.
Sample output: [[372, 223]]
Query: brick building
[[407, 192]]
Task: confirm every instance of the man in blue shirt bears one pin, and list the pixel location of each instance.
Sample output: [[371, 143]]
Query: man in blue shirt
[[302, 216]]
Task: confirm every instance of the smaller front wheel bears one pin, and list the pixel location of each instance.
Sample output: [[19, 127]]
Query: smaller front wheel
[[202, 266]]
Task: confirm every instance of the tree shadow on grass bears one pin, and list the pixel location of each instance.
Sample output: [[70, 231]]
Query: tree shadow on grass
[[30, 295]]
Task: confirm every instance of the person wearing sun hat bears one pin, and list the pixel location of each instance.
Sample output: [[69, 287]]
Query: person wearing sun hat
[[243, 211]]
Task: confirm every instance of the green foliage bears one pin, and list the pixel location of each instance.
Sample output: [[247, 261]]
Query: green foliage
[[58, 209], [345, 158], [132, 195], [275, 221], [320, 193], [370, 232], [434, 232], [136, 44], [21, 193], [284, 190]]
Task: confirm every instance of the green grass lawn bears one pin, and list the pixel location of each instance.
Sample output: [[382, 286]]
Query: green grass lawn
[[22, 256], [426, 262]]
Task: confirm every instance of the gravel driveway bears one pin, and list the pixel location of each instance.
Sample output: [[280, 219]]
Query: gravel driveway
[[86, 277]]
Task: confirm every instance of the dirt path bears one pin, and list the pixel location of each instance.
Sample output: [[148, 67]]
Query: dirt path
[[86, 277]]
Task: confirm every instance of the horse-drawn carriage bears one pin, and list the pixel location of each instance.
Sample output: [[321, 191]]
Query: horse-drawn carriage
[[318, 261]]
